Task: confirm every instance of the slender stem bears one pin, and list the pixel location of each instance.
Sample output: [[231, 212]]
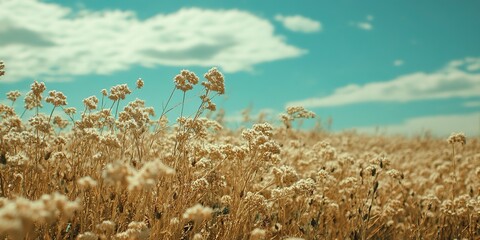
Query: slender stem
[[183, 104], [199, 110], [116, 110], [164, 111], [454, 172], [168, 101], [25, 110], [110, 109]]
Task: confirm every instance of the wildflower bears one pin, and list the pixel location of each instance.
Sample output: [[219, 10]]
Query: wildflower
[[13, 95], [140, 83], [37, 88], [146, 176], [70, 111], [395, 174], [119, 92], [87, 236], [6, 111], [185, 80], [299, 112], [198, 236], [86, 182], [457, 138], [61, 123], [2, 66], [110, 140], [40, 123], [198, 212], [215, 81], [200, 184], [257, 234], [107, 226], [91, 102], [285, 175], [226, 199], [56, 98], [104, 92], [174, 221], [136, 230], [34, 97]]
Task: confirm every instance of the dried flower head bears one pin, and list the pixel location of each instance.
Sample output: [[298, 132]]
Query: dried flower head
[[215, 81], [56, 98], [119, 92], [86, 182], [37, 88], [34, 97], [91, 102], [198, 212], [140, 83], [457, 138], [87, 236], [258, 234], [70, 111], [185, 80], [107, 227], [13, 95], [2, 66]]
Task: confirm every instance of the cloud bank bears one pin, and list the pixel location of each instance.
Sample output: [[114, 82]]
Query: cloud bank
[[442, 125], [458, 79], [298, 23], [53, 42]]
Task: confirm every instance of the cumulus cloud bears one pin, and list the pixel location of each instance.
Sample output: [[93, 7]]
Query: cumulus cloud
[[398, 63], [50, 41], [440, 125], [457, 79], [364, 25], [298, 23]]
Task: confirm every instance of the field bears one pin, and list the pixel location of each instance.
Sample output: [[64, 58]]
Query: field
[[104, 172]]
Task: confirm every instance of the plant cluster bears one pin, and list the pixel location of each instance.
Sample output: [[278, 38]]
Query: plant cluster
[[130, 174]]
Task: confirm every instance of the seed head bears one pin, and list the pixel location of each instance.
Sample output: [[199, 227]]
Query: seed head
[[140, 83], [215, 81], [13, 95], [198, 212], [56, 98], [457, 138], [185, 80], [2, 66]]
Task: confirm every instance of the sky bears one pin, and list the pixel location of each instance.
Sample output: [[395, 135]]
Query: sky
[[375, 66]]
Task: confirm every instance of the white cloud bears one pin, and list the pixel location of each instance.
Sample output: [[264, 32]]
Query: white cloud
[[299, 23], [364, 25], [454, 80], [398, 63], [472, 104], [54, 42], [441, 125]]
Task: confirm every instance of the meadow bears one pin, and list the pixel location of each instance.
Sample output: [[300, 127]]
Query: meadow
[[111, 172]]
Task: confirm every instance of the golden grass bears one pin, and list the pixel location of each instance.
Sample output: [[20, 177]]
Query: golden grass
[[125, 174]]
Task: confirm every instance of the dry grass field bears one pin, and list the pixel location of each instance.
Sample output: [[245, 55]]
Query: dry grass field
[[106, 172]]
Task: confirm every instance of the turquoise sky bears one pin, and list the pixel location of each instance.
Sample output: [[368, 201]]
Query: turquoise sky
[[402, 66]]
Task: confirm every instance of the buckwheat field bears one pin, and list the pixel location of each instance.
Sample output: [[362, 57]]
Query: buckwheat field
[[114, 172]]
